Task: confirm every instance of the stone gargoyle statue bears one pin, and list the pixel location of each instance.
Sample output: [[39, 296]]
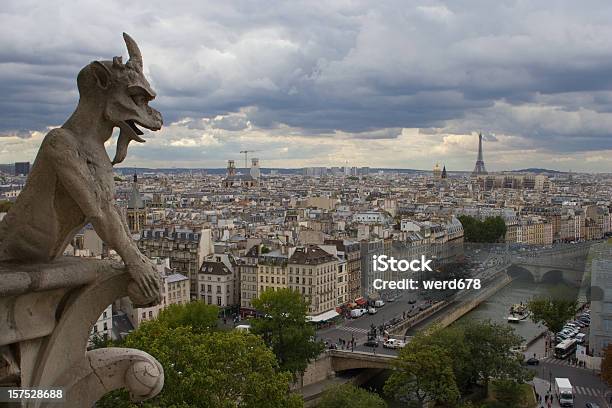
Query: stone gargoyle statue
[[49, 303], [71, 182]]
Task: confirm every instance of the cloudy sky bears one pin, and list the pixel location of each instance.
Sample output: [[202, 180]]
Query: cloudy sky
[[382, 83]]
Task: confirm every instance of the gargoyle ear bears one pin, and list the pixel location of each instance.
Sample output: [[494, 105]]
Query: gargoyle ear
[[102, 74]]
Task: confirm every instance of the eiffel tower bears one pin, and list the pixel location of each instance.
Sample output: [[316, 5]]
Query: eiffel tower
[[479, 168]]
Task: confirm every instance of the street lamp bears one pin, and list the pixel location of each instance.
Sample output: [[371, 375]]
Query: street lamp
[[549, 379]]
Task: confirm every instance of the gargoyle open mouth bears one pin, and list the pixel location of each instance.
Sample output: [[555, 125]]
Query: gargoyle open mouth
[[128, 131], [133, 126]]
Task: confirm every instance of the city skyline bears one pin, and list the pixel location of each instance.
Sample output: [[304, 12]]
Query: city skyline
[[319, 85]]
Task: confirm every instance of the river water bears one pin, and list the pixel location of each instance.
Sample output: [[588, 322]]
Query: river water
[[496, 309], [522, 289]]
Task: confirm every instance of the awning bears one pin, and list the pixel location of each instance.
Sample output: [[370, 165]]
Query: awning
[[361, 301], [322, 317]]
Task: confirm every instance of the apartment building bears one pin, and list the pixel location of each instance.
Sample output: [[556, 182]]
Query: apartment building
[[350, 251], [174, 291], [186, 247], [216, 284], [314, 273]]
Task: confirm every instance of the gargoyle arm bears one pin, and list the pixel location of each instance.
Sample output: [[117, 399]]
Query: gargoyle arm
[[96, 204]]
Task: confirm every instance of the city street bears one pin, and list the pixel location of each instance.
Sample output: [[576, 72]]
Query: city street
[[588, 387], [359, 328]]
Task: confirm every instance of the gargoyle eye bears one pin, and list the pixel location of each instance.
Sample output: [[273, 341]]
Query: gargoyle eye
[[139, 99]]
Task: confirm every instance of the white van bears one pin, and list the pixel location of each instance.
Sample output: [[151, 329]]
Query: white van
[[243, 328], [355, 313], [379, 303], [564, 392]]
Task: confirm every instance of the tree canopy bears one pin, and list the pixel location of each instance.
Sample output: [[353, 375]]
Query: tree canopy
[[553, 310], [350, 396], [492, 229], [209, 370], [423, 373], [5, 206], [440, 364], [285, 330], [198, 315]]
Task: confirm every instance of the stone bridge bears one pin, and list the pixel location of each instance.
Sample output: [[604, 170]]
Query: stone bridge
[[565, 262], [342, 360], [331, 362]]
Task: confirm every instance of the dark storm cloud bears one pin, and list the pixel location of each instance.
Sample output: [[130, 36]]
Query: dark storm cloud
[[539, 70]]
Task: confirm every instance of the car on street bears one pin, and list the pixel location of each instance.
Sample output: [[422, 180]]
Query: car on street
[[393, 344], [592, 405], [371, 343], [372, 310], [532, 361]]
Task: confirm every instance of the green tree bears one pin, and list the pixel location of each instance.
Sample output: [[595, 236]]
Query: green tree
[[209, 370], [553, 310], [422, 373], [492, 229], [349, 396], [5, 206], [490, 347], [508, 393], [285, 330], [202, 318], [98, 341], [452, 339]]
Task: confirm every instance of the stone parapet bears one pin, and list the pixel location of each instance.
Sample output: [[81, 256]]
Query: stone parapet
[[46, 314]]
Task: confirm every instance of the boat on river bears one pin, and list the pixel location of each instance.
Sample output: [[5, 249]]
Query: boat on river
[[518, 313]]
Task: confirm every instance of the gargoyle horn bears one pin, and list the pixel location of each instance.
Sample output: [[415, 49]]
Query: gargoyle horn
[[133, 51]]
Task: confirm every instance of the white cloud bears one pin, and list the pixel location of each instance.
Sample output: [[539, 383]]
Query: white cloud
[[392, 83]]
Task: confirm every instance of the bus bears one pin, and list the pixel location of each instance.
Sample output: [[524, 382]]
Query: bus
[[566, 348]]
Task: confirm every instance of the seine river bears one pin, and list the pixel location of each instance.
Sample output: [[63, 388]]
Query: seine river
[[496, 309], [520, 290]]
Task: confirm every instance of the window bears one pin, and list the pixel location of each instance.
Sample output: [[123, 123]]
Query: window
[[105, 326], [219, 300], [150, 313]]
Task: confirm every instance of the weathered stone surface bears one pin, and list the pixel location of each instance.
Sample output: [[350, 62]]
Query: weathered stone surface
[[48, 330], [48, 304], [71, 183]]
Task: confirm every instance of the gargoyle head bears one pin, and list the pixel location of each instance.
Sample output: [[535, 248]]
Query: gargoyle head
[[125, 93]]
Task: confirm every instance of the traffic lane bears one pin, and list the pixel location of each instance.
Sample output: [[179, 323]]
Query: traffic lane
[[360, 346], [383, 315], [579, 377]]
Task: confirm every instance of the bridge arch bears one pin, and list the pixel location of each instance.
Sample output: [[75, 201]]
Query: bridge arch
[[343, 361], [553, 276], [520, 272]]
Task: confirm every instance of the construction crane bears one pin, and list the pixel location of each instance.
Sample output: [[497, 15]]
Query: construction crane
[[246, 159]]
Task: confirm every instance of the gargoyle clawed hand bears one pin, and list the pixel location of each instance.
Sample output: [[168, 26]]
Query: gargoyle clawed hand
[[71, 182]]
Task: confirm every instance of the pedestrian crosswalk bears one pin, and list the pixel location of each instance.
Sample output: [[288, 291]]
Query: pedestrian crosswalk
[[591, 392], [558, 361], [353, 329]]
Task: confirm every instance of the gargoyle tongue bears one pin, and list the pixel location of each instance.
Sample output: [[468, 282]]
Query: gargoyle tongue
[[128, 131]]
